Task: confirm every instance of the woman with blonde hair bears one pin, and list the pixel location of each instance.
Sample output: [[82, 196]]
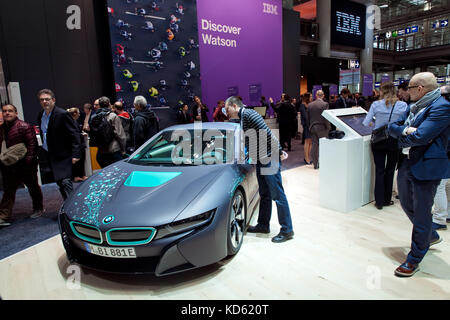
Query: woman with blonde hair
[[386, 152]]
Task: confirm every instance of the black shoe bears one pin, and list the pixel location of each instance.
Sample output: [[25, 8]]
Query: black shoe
[[379, 207], [390, 203], [304, 160], [282, 237], [258, 229]]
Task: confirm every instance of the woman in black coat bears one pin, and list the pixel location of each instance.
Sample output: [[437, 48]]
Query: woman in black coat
[[306, 136]]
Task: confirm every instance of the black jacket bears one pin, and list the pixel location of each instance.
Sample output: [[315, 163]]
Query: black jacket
[[203, 111], [63, 141], [183, 118], [341, 103], [145, 126]]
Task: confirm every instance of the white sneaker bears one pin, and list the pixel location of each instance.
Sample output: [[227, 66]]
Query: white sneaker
[[37, 214], [4, 223]]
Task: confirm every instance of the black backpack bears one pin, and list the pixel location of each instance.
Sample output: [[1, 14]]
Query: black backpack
[[101, 131]]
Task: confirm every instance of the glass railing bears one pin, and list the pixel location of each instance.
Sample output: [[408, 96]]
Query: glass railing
[[414, 42], [413, 9]]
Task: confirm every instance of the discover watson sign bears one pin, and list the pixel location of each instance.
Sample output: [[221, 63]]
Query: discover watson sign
[[209, 39], [240, 47]]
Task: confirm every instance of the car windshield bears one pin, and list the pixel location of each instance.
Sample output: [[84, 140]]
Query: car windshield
[[187, 147]]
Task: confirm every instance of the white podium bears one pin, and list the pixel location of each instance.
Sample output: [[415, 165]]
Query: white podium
[[347, 171]]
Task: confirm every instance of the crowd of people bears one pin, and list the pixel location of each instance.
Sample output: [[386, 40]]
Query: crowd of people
[[112, 130], [416, 117]]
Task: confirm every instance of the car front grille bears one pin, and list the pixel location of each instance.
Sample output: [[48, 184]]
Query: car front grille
[[130, 236], [86, 232]]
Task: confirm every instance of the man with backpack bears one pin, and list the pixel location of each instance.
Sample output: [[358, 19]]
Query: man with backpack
[[145, 123], [106, 133]]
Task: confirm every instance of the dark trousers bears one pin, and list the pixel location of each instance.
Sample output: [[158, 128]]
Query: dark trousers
[[105, 159], [317, 132], [417, 198], [12, 178], [65, 187], [65, 184], [78, 167], [385, 156], [271, 188], [285, 138]]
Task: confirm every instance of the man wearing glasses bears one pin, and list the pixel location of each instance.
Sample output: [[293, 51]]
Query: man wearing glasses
[[422, 134], [60, 140]]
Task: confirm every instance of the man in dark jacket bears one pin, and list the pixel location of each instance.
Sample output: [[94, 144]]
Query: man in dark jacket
[[318, 125], [145, 122], [60, 140], [286, 120], [342, 101], [14, 131]]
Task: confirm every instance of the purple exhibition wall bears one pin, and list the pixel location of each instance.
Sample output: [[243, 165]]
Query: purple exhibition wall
[[247, 55]]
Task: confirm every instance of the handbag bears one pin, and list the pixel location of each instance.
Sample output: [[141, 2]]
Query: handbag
[[13, 154], [381, 133]]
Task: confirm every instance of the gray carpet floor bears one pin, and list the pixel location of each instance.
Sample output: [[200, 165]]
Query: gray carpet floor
[[25, 232]]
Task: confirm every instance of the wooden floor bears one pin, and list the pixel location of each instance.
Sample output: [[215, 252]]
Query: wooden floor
[[333, 256]]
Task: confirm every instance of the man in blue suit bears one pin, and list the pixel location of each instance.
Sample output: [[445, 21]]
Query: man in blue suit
[[422, 134]]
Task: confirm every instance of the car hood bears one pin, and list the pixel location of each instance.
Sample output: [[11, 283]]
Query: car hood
[[137, 196]]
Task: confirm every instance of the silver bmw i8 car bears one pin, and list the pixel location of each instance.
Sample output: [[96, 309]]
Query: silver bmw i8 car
[[181, 201]]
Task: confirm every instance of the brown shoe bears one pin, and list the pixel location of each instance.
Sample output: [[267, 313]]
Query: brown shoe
[[407, 269]]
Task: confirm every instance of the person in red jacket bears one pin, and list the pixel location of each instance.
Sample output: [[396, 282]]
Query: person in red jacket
[[218, 115], [12, 132]]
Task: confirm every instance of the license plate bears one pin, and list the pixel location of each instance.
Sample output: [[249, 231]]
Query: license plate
[[125, 252]]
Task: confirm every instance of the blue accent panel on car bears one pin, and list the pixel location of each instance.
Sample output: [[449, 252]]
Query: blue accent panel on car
[[145, 179], [100, 190]]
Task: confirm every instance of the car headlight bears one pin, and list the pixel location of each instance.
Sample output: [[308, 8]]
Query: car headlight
[[184, 225]]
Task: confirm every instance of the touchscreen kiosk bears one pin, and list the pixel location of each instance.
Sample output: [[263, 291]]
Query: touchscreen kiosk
[[261, 110], [355, 121], [346, 165]]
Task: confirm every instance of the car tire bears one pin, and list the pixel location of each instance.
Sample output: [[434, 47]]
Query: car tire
[[236, 223]]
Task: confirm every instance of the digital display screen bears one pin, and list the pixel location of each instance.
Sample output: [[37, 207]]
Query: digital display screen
[[348, 23], [261, 110], [355, 121]]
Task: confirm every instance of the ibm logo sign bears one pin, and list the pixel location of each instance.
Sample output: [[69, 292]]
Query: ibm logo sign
[[270, 8]]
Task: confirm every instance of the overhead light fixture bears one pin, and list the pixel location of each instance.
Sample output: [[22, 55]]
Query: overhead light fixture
[[384, 6]]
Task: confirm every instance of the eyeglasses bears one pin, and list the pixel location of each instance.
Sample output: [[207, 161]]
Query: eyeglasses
[[45, 99], [412, 87]]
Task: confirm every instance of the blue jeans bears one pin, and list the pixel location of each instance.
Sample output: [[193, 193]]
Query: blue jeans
[[417, 198], [271, 188]]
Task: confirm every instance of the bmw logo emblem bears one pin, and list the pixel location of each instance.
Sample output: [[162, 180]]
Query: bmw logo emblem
[[108, 219]]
